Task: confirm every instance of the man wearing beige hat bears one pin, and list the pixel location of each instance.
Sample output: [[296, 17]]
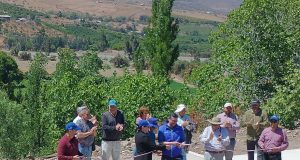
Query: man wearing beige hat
[[229, 121], [215, 138]]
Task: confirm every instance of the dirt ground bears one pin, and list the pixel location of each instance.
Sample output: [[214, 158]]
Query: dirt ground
[[240, 147], [104, 8]]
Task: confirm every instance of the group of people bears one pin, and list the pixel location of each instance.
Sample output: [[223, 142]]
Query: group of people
[[78, 140], [268, 139], [173, 137]]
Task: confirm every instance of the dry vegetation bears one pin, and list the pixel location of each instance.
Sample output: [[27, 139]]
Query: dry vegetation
[[104, 8], [27, 27]]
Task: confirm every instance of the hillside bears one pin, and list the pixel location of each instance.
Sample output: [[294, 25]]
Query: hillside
[[203, 9], [215, 6]]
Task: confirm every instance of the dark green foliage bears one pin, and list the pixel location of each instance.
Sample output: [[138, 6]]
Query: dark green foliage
[[90, 64], [26, 56], [36, 76], [134, 91], [144, 19], [40, 40], [15, 134], [159, 44], [131, 46], [103, 43], [10, 75], [18, 12], [252, 53], [285, 102], [120, 61]]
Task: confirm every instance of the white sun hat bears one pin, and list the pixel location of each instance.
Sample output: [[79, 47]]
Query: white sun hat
[[180, 107]]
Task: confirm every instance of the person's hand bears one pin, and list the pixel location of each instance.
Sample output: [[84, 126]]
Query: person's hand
[[94, 129], [211, 136], [76, 157], [119, 127], [185, 123], [168, 147], [220, 138], [94, 120], [148, 116], [227, 125], [275, 150], [177, 144]]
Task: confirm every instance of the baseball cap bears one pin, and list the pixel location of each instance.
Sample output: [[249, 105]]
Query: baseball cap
[[112, 102], [227, 105], [144, 123], [153, 122], [274, 118], [255, 102], [72, 126]]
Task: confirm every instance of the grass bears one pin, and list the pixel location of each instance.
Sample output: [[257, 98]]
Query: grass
[[178, 86]]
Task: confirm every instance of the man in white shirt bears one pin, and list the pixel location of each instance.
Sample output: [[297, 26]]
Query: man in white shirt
[[215, 138]]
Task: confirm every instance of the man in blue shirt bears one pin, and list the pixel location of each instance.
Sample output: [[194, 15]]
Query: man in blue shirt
[[171, 134]]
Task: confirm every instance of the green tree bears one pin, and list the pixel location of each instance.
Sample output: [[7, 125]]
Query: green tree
[[134, 91], [131, 46], [255, 44], [103, 43], [10, 75], [66, 63], [159, 46], [90, 64], [35, 76], [286, 102], [15, 133], [40, 40], [251, 52]]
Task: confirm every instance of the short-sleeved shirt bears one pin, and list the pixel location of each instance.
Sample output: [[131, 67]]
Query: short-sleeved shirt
[[66, 148], [85, 126]]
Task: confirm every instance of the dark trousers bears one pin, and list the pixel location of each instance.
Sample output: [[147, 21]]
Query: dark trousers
[[165, 157], [251, 146], [272, 156]]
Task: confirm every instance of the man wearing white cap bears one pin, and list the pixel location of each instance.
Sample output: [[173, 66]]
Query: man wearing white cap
[[229, 121], [186, 123]]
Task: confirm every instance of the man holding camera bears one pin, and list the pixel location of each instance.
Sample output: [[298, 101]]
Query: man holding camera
[[187, 125], [112, 126], [229, 121]]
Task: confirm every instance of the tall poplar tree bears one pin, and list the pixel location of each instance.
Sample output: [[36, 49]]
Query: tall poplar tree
[[159, 47]]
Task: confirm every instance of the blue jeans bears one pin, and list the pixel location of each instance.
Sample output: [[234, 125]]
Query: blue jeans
[[86, 151]]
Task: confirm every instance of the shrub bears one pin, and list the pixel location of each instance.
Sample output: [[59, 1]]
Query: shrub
[[120, 62], [15, 136], [25, 56]]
